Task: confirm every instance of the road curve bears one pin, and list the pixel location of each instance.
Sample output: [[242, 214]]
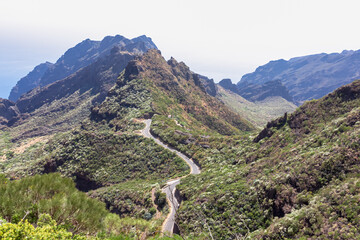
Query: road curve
[[170, 187]]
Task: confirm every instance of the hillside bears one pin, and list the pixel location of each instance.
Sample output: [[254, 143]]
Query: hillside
[[171, 89], [77, 57], [257, 92], [8, 110], [300, 181], [104, 154], [309, 77], [30, 81], [62, 105], [296, 179], [258, 112]]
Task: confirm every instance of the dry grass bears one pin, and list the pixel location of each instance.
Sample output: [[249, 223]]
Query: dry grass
[[28, 143]]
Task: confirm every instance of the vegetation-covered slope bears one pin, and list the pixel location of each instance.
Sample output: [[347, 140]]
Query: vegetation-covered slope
[[109, 158], [299, 178], [299, 181], [62, 105], [259, 112], [50, 207], [174, 90]]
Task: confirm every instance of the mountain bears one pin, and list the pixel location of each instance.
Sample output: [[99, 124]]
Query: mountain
[[298, 178], [175, 91], [103, 153], [257, 92], [63, 104], [309, 77], [227, 84], [83, 54], [29, 82], [256, 103]]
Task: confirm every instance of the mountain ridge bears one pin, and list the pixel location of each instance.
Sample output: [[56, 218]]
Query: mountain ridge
[[309, 77], [77, 57], [65, 103]]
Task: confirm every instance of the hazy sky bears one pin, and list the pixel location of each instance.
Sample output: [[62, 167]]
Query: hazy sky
[[220, 39]]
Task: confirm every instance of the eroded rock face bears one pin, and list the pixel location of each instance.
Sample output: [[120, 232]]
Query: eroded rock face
[[80, 56], [209, 85], [259, 92], [309, 77], [227, 84], [8, 111], [29, 82]]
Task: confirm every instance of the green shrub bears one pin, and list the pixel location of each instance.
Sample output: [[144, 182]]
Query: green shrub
[[54, 195]]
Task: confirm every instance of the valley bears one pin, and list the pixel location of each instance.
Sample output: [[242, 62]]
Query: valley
[[153, 150]]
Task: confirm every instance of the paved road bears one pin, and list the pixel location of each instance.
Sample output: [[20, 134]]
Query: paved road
[[194, 169], [170, 188]]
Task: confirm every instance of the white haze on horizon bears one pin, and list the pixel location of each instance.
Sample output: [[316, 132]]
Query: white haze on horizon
[[219, 39]]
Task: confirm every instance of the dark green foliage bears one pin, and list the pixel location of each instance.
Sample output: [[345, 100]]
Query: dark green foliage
[[126, 100], [128, 199], [106, 158], [3, 179], [227, 205], [160, 199], [94, 159], [50, 193], [333, 214], [296, 179]]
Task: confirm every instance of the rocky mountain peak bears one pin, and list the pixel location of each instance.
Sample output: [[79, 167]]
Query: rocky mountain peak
[[227, 84], [30, 81], [309, 77], [79, 56]]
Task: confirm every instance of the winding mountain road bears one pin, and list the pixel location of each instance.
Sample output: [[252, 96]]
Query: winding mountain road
[[169, 189]]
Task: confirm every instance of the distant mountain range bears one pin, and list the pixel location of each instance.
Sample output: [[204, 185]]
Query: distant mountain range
[[82, 55], [258, 92], [309, 77]]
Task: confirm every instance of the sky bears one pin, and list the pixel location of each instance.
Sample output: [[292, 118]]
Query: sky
[[219, 39]]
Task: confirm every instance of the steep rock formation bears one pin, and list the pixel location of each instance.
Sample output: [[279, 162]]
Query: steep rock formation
[[82, 55], [228, 85], [259, 92], [65, 103], [8, 111], [29, 82], [309, 77]]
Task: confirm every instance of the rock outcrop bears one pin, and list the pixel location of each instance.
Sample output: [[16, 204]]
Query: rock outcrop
[[8, 111], [309, 77], [82, 55]]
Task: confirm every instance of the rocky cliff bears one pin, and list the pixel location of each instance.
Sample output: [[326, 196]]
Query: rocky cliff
[[309, 77], [82, 55]]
